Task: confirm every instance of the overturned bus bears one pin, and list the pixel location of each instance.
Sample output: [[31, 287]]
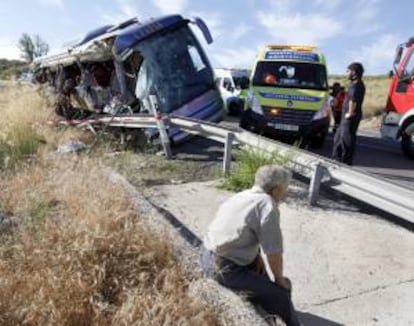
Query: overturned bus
[[115, 69]]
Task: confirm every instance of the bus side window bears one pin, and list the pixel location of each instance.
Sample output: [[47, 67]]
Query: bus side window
[[195, 58]]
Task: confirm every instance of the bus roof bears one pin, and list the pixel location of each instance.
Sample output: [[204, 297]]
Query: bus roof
[[139, 31]]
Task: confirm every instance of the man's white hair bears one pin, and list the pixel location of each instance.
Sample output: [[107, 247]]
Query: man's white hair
[[271, 176]]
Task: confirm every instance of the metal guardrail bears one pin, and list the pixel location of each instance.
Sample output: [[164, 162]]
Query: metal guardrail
[[372, 190], [367, 188], [375, 191]]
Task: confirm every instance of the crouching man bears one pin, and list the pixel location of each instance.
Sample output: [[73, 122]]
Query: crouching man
[[246, 226]]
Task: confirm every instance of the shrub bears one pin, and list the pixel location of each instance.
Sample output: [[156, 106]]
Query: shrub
[[248, 160]]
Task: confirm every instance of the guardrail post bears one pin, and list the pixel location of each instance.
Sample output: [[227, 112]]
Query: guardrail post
[[315, 183], [165, 140], [227, 153]]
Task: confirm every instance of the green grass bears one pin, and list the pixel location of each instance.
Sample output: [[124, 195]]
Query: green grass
[[40, 209], [248, 160], [148, 169]]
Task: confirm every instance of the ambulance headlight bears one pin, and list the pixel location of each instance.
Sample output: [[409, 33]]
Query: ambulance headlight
[[322, 112]]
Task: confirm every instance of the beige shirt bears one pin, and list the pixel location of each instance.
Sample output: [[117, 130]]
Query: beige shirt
[[244, 223]]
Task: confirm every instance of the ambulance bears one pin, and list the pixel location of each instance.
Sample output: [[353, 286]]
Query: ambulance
[[288, 94]]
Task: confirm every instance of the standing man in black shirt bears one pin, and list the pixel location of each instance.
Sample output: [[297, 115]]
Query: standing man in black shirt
[[345, 137]]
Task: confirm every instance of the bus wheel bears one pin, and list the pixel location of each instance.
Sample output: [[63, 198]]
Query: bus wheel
[[407, 144]]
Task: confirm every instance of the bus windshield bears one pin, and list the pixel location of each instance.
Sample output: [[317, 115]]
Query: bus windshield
[[174, 68], [291, 75]]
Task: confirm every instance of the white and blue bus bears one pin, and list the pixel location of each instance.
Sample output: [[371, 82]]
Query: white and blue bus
[[122, 65]]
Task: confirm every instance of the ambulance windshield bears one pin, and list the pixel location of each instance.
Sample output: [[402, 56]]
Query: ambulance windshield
[[291, 75]]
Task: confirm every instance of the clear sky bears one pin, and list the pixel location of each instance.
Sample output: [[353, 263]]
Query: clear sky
[[346, 31]]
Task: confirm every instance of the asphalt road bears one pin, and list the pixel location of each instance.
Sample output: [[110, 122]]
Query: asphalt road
[[378, 157]]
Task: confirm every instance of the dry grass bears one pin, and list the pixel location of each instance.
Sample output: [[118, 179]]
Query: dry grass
[[376, 97], [18, 137], [80, 255], [75, 252], [376, 93], [26, 127]]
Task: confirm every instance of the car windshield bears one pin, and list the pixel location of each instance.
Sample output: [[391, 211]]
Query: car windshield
[[290, 75], [409, 66], [241, 79], [174, 68]]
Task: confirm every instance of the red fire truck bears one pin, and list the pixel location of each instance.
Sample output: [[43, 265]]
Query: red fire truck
[[398, 119]]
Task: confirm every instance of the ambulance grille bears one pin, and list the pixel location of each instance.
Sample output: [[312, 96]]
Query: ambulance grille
[[290, 116]]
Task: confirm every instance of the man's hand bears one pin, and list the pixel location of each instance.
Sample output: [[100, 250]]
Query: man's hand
[[284, 282], [348, 115], [351, 109], [260, 266]]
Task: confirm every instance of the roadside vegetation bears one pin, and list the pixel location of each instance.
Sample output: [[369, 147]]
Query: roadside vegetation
[[11, 69], [72, 249], [78, 255], [248, 160], [20, 125]]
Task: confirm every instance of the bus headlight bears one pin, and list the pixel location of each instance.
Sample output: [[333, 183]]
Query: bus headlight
[[255, 104]]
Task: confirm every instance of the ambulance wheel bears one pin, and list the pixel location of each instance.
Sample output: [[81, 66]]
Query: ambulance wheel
[[233, 109], [244, 121], [318, 141], [407, 145]]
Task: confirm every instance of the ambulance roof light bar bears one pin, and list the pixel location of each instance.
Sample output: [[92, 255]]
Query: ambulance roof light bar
[[304, 48]]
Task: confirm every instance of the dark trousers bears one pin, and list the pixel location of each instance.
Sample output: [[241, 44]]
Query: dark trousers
[[345, 140], [259, 289], [337, 120]]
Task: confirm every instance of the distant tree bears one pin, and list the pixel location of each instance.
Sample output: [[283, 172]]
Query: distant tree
[[32, 47], [26, 46]]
